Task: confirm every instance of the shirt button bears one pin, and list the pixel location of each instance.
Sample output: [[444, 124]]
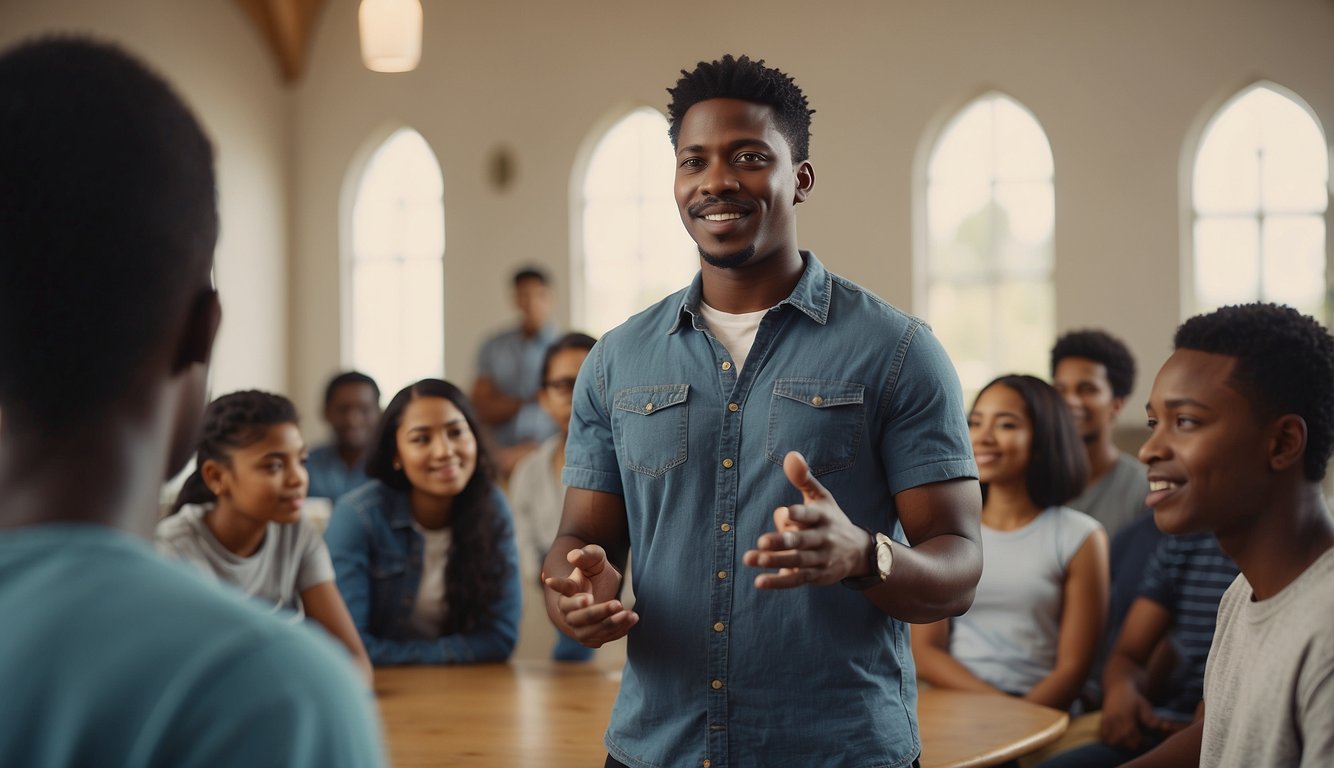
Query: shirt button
[[722, 574], [717, 684], [817, 401], [648, 406], [727, 463], [718, 627], [733, 407], [725, 527], [727, 365]]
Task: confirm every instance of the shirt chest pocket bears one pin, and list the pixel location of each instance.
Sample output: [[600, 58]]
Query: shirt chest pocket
[[649, 426], [822, 419]]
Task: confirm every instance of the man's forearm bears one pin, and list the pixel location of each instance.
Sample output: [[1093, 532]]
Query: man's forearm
[[932, 581]]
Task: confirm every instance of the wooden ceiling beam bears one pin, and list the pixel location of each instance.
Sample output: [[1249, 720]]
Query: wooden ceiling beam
[[286, 26]]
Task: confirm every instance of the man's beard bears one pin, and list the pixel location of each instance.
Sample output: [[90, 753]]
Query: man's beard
[[728, 262]]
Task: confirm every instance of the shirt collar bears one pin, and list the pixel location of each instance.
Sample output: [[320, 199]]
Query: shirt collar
[[811, 295]]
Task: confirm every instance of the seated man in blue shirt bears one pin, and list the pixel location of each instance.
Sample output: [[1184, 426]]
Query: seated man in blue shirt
[[752, 439], [110, 655], [352, 409]]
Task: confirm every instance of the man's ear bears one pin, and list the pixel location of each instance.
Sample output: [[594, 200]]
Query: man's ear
[[805, 181], [1287, 442], [199, 331], [1117, 404]]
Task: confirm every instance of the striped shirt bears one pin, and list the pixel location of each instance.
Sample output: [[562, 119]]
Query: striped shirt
[[1188, 575]]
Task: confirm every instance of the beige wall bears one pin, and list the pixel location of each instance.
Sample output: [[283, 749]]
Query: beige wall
[[1121, 88]]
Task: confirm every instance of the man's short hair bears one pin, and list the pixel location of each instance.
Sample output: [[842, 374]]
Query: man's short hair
[[108, 217], [1285, 364], [531, 273], [748, 80], [1100, 347], [349, 377]]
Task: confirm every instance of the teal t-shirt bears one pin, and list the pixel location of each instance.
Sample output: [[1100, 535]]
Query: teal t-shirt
[[111, 656]]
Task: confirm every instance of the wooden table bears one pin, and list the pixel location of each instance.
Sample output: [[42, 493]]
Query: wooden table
[[544, 715]]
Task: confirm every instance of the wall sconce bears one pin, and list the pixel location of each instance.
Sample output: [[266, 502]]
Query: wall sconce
[[391, 34]]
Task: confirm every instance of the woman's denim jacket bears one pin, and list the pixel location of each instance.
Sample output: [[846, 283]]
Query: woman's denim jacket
[[377, 557]]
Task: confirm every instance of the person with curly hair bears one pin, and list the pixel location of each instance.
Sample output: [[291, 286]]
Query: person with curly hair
[[425, 554], [755, 440], [1242, 428], [1095, 373]]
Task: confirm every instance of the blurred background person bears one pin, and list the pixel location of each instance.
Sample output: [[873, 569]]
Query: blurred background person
[[509, 369]]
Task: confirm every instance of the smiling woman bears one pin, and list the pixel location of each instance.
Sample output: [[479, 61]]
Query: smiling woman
[[425, 553], [1041, 603]]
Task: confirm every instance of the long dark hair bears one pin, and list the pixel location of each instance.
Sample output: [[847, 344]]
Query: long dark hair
[[230, 422], [1057, 464], [475, 569]]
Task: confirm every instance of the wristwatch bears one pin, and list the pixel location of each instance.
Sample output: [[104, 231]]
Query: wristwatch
[[880, 556]]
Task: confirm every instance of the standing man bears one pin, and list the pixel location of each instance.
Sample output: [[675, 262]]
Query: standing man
[[351, 409], [1095, 373], [508, 369], [110, 655], [1242, 415], [753, 439]]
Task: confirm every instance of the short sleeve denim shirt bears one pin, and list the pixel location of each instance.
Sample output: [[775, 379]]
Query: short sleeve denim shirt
[[718, 672]]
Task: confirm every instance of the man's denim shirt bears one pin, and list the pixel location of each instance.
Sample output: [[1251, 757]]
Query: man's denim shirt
[[720, 673], [377, 557]]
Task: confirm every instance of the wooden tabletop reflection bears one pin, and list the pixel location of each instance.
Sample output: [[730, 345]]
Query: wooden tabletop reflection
[[547, 715]]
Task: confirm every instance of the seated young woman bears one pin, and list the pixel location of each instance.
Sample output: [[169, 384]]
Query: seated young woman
[[425, 554], [1042, 600]]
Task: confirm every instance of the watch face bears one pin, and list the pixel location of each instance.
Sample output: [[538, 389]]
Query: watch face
[[884, 556]]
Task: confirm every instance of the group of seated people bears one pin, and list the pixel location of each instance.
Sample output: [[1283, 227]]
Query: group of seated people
[[1082, 606], [426, 562], [1117, 635]]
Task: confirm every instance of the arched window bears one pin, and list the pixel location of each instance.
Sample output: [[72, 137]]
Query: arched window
[[1259, 193], [396, 303], [634, 249], [990, 211]]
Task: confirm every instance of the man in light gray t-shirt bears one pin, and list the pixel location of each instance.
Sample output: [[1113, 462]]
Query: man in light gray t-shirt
[[1242, 418], [1095, 373], [1117, 499]]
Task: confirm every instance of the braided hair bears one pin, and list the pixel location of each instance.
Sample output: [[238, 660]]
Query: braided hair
[[232, 421]]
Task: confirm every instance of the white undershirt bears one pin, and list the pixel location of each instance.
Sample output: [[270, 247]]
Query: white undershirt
[[736, 332], [428, 612]]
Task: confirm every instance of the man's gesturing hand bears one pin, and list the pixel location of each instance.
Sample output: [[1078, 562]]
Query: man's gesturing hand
[[587, 598], [815, 543]]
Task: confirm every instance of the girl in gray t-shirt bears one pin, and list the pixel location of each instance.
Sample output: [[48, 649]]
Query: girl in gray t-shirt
[[238, 516]]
